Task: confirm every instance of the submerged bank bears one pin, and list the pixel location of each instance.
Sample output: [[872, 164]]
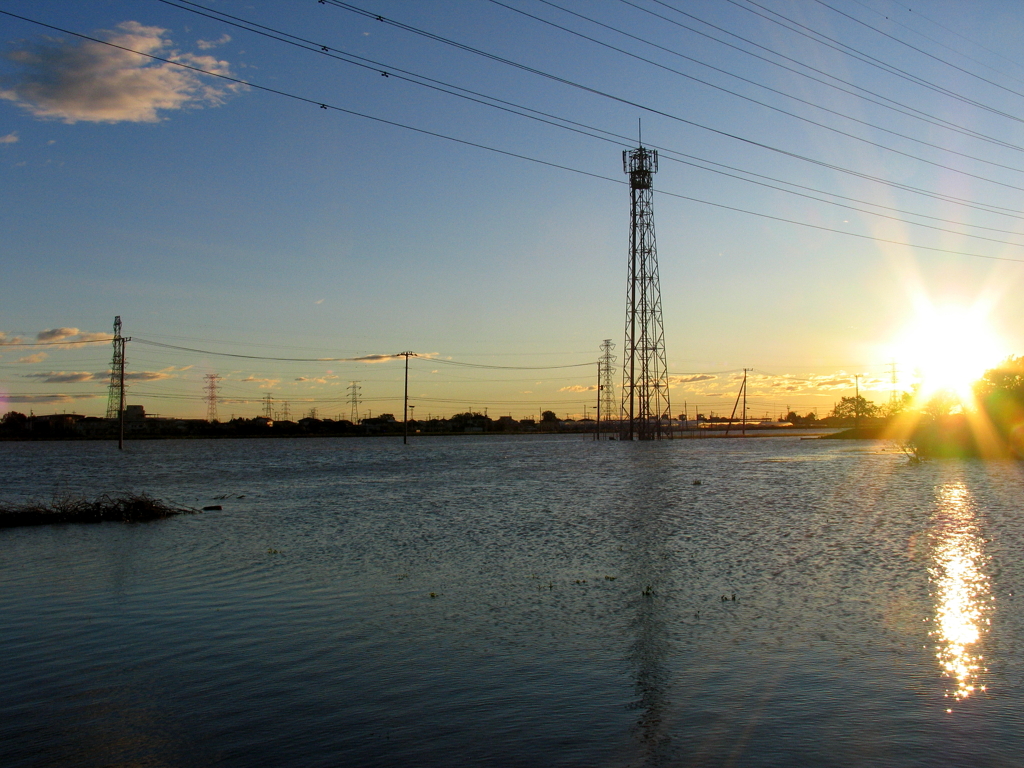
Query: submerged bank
[[126, 508]]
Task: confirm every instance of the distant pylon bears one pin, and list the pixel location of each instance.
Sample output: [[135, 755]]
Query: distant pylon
[[286, 413], [211, 396], [268, 406], [607, 382], [645, 397], [114, 398], [353, 397]]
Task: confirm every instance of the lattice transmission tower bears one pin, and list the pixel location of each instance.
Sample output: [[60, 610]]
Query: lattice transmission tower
[[646, 410], [115, 397], [353, 397], [607, 379], [211, 396]]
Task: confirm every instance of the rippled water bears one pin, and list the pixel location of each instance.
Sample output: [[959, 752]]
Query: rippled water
[[515, 601]]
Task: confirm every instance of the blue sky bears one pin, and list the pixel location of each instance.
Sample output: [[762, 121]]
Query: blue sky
[[230, 219]]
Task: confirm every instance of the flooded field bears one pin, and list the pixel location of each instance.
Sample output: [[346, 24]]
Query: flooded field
[[515, 601]]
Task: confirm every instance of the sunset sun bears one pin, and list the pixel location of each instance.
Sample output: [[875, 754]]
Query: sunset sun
[[948, 348]]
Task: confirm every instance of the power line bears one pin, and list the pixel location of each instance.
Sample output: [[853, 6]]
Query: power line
[[527, 158], [755, 83], [865, 58], [919, 50], [591, 131], [623, 100], [885, 102]]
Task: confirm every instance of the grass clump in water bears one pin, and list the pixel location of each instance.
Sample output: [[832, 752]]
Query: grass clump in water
[[124, 508]]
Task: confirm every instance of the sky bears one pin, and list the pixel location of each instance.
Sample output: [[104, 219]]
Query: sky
[[291, 193]]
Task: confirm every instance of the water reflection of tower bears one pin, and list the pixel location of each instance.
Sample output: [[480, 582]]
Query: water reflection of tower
[[651, 563], [645, 398]]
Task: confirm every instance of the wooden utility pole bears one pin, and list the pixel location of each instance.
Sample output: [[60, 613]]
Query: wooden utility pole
[[405, 408], [120, 410]]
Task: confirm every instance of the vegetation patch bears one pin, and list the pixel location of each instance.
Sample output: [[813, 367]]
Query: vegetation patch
[[125, 508]]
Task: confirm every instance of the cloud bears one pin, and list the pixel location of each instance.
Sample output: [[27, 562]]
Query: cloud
[[56, 334], [38, 357], [46, 399], [84, 336], [264, 383], [63, 377], [10, 138], [6, 340], [579, 388], [91, 82], [319, 301], [691, 379], [205, 45], [144, 375]]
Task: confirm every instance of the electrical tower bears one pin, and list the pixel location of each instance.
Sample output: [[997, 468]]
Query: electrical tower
[[286, 414], [211, 396], [645, 397], [268, 406], [115, 397], [353, 397], [607, 379]]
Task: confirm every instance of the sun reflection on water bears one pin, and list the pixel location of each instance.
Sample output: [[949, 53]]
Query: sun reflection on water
[[961, 589]]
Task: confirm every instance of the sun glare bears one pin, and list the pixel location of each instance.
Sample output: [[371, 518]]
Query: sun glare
[[948, 349]]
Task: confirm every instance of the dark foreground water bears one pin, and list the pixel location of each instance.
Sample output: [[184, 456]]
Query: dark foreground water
[[516, 602]]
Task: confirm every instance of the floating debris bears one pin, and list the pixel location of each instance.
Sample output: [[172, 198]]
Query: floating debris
[[127, 508]]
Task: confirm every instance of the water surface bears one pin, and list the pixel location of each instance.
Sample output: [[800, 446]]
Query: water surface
[[515, 601]]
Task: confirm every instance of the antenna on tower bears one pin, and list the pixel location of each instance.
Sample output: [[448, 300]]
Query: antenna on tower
[[211, 396], [645, 396]]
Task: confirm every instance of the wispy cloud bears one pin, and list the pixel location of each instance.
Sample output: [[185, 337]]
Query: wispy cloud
[[56, 334], [63, 377], [579, 388], [691, 379], [264, 383], [6, 340], [144, 375], [46, 399], [206, 45], [38, 357], [10, 138], [88, 81]]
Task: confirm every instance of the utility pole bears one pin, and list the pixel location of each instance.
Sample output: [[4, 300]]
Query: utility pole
[[645, 393], [405, 408], [743, 423], [120, 417], [893, 404], [856, 403]]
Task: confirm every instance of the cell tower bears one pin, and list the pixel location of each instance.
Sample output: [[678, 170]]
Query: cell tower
[[645, 398], [608, 378], [211, 396], [114, 394], [353, 397]]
